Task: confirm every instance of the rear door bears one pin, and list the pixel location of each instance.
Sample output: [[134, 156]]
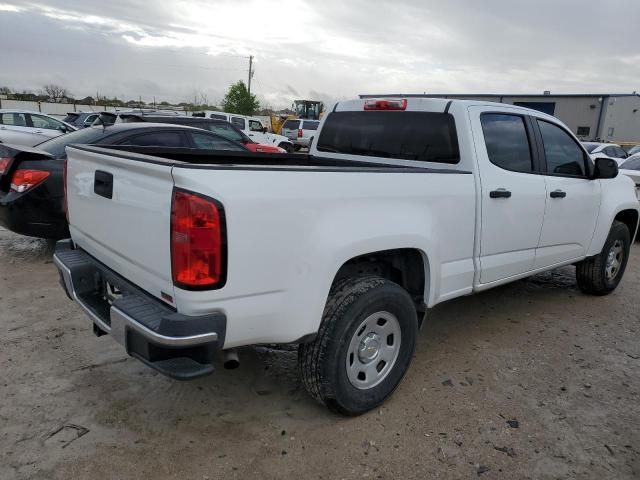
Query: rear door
[[573, 200], [512, 193], [290, 129], [309, 128], [119, 212]]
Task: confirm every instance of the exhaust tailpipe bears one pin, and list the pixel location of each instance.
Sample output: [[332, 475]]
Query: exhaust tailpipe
[[231, 360]]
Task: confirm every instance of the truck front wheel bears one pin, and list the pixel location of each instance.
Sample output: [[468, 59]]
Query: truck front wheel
[[363, 347], [601, 274]]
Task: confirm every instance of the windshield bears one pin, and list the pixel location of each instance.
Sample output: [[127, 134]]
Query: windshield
[[56, 145], [590, 146], [71, 117], [634, 150]]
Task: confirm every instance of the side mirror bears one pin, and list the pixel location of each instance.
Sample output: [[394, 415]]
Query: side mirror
[[264, 129], [605, 168]]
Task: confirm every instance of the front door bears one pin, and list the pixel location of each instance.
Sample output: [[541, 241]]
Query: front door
[[573, 200], [512, 194]]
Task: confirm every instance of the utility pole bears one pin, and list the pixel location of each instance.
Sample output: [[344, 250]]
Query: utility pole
[[250, 73]]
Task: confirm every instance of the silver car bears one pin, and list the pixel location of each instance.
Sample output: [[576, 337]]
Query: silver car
[[22, 127], [300, 132]]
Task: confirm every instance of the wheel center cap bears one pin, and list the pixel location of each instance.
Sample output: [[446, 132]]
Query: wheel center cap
[[369, 348]]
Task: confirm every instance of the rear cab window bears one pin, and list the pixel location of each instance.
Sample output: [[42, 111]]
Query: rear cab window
[[291, 125], [310, 125], [422, 136]]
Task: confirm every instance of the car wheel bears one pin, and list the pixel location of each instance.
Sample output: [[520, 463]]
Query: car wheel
[[287, 146], [364, 345], [601, 274]]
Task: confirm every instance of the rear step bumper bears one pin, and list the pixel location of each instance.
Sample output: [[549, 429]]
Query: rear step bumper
[[179, 346]]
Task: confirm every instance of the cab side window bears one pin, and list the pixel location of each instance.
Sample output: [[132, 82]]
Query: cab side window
[[238, 122], [563, 154], [255, 126], [507, 141]]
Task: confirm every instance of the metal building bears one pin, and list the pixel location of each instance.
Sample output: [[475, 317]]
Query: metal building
[[609, 117]]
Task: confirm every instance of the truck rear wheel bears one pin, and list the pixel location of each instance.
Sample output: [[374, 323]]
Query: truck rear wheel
[[363, 347], [601, 274]]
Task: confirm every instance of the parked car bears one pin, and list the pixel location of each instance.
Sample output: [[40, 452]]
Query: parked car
[[86, 119], [21, 127], [402, 204], [631, 168], [606, 150], [221, 127], [634, 150], [31, 179], [300, 132], [251, 127]]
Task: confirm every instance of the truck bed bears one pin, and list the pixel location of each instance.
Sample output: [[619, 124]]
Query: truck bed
[[290, 220]]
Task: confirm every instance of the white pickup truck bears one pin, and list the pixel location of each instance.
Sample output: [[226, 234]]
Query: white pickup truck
[[401, 204]]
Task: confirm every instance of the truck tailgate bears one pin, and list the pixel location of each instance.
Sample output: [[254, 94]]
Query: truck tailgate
[[119, 212]]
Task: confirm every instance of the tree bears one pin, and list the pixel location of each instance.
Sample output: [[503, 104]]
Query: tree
[[55, 92], [239, 100]]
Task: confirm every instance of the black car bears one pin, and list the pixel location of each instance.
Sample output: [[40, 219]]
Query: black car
[[86, 119], [221, 127], [31, 179]]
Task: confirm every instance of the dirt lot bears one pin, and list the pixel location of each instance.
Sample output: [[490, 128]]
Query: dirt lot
[[531, 380]]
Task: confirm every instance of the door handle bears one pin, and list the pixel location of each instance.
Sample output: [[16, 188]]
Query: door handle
[[500, 193], [103, 184], [558, 194], [38, 131]]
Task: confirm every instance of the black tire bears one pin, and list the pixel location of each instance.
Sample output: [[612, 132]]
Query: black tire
[[323, 361], [591, 273], [287, 146]]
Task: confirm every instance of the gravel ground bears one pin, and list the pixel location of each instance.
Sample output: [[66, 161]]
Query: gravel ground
[[530, 380]]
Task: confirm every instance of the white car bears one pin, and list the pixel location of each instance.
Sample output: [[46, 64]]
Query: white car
[[631, 168], [252, 127], [301, 132], [402, 204], [22, 127], [606, 150]]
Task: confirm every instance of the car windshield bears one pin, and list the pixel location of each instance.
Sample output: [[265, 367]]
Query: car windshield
[[71, 117], [631, 164], [56, 146], [634, 150], [591, 146]]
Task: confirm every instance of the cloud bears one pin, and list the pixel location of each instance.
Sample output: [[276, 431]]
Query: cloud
[[173, 49]]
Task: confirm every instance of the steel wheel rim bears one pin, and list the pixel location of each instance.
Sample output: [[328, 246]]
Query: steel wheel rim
[[614, 260], [373, 350]]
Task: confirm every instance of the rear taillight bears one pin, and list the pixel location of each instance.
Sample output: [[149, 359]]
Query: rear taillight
[[299, 133], [394, 104], [198, 243], [24, 180], [4, 164], [64, 187]]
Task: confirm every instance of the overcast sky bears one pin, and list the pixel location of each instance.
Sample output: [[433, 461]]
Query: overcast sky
[[329, 49]]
